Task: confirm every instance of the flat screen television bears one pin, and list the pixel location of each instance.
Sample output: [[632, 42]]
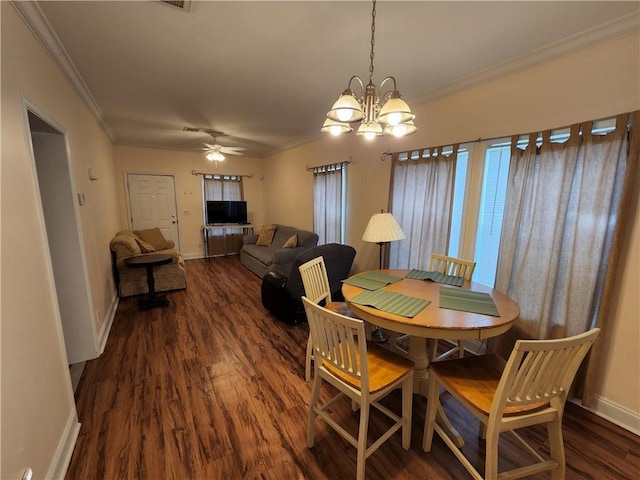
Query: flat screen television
[[220, 212]]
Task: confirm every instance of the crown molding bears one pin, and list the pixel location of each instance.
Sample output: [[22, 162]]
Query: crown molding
[[607, 32], [33, 17]]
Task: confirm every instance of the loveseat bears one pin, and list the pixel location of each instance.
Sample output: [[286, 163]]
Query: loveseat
[[133, 281], [258, 253]]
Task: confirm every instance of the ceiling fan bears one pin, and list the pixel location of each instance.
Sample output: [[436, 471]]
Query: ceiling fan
[[214, 152]]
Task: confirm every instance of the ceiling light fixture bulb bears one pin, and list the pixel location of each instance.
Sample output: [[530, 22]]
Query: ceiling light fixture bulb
[[344, 114], [335, 128], [215, 156], [394, 118]]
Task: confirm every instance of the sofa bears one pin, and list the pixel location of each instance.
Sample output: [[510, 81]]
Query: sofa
[[133, 281], [281, 290], [258, 254]]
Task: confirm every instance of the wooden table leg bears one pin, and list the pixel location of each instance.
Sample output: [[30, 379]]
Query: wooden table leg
[[418, 354], [153, 300]]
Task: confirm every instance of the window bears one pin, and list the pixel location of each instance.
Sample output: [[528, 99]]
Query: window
[[457, 209], [221, 187], [494, 188], [477, 208], [421, 202], [329, 202]]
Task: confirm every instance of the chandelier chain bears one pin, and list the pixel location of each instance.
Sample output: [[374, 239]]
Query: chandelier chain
[[373, 39]]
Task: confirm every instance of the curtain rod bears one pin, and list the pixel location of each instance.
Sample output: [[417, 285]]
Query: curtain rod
[[348, 160], [509, 137], [193, 172]]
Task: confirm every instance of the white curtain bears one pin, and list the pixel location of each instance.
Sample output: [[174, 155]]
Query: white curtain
[[327, 202], [421, 202], [561, 231], [222, 187]]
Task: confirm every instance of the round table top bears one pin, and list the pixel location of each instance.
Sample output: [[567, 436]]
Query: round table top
[[433, 321], [148, 260]]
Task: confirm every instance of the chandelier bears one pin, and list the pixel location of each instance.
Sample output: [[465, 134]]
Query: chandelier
[[385, 114]]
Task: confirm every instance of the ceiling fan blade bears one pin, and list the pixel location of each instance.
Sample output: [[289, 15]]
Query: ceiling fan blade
[[232, 150]]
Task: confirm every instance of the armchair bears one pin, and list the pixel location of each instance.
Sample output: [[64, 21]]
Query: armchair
[[282, 287]]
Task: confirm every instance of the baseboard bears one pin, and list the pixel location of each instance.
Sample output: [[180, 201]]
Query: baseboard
[[192, 256], [617, 414], [106, 327], [195, 256], [60, 464]]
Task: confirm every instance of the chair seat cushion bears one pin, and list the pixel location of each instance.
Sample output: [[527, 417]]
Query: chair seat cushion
[[475, 379], [385, 367]]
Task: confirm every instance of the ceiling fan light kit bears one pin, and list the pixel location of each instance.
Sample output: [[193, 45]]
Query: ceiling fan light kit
[[214, 152], [387, 114], [215, 156]]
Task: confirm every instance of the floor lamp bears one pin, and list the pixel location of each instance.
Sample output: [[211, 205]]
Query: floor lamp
[[382, 229]]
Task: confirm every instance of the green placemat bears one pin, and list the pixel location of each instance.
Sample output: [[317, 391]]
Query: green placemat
[[438, 277], [467, 301], [391, 302], [371, 280]]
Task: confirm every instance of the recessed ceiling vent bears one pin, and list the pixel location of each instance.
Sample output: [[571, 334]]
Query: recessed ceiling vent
[[181, 4]]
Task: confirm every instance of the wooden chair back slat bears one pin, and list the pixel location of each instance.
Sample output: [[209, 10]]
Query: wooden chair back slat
[[533, 374], [340, 341], [452, 266], [315, 280]]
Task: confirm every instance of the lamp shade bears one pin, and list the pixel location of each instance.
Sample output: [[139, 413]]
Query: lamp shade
[[370, 130], [346, 109], [401, 129], [335, 128], [395, 111], [382, 228]]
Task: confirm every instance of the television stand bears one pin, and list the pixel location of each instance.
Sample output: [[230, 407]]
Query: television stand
[[247, 229]]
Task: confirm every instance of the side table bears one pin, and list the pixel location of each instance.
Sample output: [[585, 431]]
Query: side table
[[149, 261]]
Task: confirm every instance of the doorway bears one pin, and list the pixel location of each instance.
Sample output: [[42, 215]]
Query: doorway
[[152, 203], [66, 249]]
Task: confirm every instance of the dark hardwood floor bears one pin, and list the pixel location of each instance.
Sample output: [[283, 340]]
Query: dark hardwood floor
[[212, 387]]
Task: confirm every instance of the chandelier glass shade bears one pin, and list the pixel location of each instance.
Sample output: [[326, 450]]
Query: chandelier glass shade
[[379, 114]]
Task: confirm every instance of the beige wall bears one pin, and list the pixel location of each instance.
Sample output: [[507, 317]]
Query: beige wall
[[189, 186], [38, 410], [594, 83]]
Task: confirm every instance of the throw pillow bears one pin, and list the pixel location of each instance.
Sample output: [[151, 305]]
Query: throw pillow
[[125, 246], [266, 235], [152, 236], [292, 242], [146, 247]]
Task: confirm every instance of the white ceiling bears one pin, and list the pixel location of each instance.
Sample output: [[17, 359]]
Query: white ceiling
[[265, 73]]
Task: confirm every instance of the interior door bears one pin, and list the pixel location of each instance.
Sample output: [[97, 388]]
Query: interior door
[[152, 203]]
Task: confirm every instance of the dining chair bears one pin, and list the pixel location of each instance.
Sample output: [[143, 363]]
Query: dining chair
[[529, 389], [316, 287], [365, 373], [457, 267]]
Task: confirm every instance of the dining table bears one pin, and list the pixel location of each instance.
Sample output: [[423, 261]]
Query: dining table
[[429, 305], [434, 320]]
